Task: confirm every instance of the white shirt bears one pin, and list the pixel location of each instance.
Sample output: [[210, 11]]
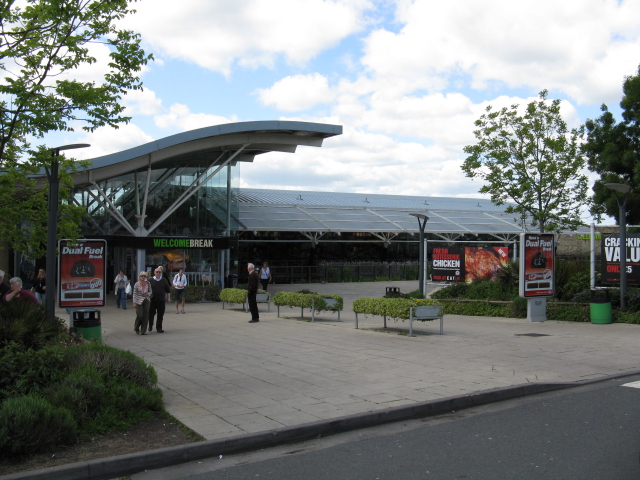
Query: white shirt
[[178, 282]]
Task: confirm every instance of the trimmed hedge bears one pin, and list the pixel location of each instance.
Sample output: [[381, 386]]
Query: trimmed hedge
[[199, 293], [308, 300], [233, 295], [395, 308]]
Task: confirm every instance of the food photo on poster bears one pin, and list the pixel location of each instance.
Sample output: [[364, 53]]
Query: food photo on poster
[[536, 271], [82, 269], [484, 262]]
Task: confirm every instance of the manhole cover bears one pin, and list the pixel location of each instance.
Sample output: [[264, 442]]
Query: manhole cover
[[532, 335]]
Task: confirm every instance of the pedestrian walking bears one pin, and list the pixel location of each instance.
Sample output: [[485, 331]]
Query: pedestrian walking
[[252, 290]]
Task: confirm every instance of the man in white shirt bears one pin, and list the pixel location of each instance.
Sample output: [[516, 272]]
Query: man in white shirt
[[179, 283]]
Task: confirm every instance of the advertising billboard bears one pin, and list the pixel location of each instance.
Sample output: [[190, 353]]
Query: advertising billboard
[[610, 266], [537, 263], [466, 264], [447, 264], [484, 262], [82, 270]]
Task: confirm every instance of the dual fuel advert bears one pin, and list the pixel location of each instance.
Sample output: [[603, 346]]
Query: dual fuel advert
[[537, 275], [82, 270]]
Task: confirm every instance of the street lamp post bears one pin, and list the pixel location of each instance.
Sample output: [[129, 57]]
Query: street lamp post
[[623, 189], [422, 222], [52, 226]]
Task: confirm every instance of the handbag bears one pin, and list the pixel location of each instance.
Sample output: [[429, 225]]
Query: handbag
[[128, 289]]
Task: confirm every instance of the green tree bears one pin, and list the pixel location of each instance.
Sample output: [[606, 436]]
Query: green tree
[[533, 161], [613, 152], [43, 43]]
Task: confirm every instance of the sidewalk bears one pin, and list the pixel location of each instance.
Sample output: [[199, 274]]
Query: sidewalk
[[222, 376], [244, 386]]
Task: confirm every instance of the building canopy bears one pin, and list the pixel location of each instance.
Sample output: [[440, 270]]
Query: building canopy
[[385, 216]]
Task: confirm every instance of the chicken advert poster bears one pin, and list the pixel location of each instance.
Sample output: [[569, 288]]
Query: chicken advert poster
[[82, 270], [457, 264]]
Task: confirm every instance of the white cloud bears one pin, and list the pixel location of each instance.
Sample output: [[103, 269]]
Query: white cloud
[[106, 140], [216, 35], [142, 102], [180, 118], [296, 93], [362, 162], [541, 44]]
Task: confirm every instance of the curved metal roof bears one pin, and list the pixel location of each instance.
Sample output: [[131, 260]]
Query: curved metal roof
[[246, 139]]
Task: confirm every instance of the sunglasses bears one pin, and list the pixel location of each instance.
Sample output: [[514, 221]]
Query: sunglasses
[[143, 276]]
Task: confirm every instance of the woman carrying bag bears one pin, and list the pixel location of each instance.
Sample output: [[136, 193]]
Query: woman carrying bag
[[142, 301], [122, 283]]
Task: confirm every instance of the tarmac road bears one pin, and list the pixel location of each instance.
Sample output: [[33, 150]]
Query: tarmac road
[[586, 433]]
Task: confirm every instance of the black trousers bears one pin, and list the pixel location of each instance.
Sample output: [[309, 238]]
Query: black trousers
[[156, 307], [253, 305]]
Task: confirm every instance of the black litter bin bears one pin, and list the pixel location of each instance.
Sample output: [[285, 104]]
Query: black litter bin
[[600, 306], [87, 323], [232, 281]]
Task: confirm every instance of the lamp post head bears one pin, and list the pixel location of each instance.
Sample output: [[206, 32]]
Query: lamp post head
[[619, 187], [57, 150], [420, 216]]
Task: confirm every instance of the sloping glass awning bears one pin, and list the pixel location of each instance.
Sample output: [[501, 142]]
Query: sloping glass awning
[[263, 210]]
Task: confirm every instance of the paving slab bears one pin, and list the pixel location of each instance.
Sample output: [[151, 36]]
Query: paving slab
[[223, 376]]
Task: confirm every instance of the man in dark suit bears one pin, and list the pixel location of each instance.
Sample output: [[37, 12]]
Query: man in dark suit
[[252, 290], [160, 289]]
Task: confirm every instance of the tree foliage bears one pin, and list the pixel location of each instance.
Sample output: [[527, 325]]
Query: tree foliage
[[613, 151], [531, 160], [43, 45]]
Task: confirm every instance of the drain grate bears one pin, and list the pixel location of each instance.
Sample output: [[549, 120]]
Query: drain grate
[[532, 335]]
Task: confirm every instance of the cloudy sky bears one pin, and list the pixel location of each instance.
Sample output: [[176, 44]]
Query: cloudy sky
[[405, 78]]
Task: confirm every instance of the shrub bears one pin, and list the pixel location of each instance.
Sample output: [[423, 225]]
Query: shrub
[[29, 424], [456, 290], [111, 362], [571, 277], [28, 324], [477, 308], [81, 392], [395, 308], [568, 313], [233, 295], [199, 293], [23, 370], [107, 388], [123, 403], [416, 294], [519, 307], [307, 300], [508, 275], [626, 317]]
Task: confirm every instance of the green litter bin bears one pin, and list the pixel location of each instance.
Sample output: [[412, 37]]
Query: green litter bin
[[87, 323], [600, 307]]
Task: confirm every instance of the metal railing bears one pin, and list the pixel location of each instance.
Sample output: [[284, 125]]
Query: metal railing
[[342, 273]]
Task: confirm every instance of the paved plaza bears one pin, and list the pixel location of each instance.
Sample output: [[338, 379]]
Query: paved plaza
[[222, 376]]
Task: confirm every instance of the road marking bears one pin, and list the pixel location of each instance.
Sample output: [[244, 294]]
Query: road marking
[[632, 385]]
